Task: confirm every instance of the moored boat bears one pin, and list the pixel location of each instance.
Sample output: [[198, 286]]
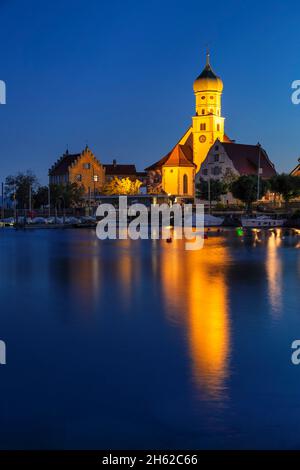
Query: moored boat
[[263, 221]]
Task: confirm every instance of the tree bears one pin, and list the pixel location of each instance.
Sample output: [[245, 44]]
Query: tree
[[41, 197], [66, 195], [287, 186], [216, 189], [20, 186], [229, 177], [123, 186], [245, 189]]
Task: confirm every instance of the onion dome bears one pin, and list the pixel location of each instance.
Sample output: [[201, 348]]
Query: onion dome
[[208, 80]]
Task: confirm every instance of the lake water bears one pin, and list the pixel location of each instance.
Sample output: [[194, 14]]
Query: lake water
[[143, 345]]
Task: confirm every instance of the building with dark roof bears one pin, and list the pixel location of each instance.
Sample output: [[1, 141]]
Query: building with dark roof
[[81, 168], [224, 158], [120, 171], [87, 171]]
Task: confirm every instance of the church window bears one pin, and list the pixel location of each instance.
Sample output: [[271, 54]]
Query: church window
[[202, 126], [203, 111], [218, 127], [185, 184], [203, 97]]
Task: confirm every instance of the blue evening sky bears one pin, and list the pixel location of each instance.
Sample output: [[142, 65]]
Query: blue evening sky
[[119, 75]]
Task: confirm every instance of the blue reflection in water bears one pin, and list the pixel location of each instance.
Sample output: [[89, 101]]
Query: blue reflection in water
[[141, 344]]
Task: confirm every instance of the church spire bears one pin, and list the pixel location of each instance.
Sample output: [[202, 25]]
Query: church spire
[[207, 57]]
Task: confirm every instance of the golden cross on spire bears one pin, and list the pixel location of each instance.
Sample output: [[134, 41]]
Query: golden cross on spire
[[207, 55]]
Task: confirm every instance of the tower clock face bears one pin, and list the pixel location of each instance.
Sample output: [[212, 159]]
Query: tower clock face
[[202, 138]]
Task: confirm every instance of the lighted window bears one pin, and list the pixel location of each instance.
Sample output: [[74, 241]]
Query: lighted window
[[185, 184], [96, 178], [202, 126]]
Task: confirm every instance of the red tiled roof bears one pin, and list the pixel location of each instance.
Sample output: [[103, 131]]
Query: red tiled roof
[[185, 160], [180, 155], [119, 170], [62, 165], [245, 159], [226, 138], [296, 170]]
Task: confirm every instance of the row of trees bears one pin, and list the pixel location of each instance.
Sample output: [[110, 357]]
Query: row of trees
[[245, 188], [24, 188]]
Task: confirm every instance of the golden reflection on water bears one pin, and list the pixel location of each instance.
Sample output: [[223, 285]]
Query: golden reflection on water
[[196, 295], [193, 289], [274, 271]]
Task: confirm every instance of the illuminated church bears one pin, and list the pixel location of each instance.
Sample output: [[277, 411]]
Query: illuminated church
[[175, 173]]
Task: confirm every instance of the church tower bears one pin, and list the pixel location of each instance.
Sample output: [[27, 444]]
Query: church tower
[[208, 123]]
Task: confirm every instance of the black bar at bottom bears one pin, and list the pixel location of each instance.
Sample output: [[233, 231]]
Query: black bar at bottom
[[134, 459]]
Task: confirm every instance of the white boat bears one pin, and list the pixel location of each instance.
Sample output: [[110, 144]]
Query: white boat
[[212, 221], [262, 221], [209, 221]]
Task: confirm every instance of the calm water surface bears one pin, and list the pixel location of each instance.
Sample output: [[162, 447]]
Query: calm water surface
[[141, 344]]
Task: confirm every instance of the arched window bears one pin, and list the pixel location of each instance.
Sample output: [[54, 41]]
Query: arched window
[[185, 184]]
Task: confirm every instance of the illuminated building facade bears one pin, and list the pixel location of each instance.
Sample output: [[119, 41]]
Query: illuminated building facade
[[82, 168], [175, 173]]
